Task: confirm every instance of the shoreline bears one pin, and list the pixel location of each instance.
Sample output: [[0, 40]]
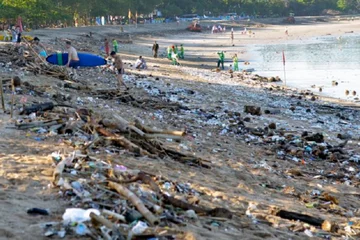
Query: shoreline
[[266, 35]]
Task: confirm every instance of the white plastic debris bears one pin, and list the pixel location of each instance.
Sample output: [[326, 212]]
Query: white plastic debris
[[191, 214], [78, 215]]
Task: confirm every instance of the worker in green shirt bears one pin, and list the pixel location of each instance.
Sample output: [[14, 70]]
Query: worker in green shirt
[[181, 54], [221, 59], [236, 62], [169, 52], [115, 45], [174, 49], [174, 59]]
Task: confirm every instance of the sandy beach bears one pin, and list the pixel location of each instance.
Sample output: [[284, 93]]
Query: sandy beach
[[259, 162]]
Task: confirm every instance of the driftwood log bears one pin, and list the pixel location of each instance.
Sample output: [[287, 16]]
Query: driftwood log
[[2, 96], [300, 217], [39, 124], [114, 215], [216, 212], [37, 107], [145, 143], [147, 129], [136, 202], [122, 141], [99, 220]]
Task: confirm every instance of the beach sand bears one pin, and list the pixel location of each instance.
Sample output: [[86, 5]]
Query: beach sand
[[245, 171]]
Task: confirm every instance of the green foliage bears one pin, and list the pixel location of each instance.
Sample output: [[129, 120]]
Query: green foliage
[[346, 5], [46, 11]]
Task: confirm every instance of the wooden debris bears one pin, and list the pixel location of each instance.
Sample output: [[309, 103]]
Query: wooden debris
[[12, 98], [122, 141], [136, 201], [39, 124], [30, 60], [153, 131], [114, 215], [300, 217], [216, 212], [58, 171], [37, 107], [2, 96]]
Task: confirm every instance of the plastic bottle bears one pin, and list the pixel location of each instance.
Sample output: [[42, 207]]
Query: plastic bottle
[[77, 186], [139, 228], [81, 229], [167, 185], [120, 168], [56, 156]]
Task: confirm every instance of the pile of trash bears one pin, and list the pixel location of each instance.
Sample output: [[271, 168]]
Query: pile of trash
[[25, 57], [113, 198], [112, 201]]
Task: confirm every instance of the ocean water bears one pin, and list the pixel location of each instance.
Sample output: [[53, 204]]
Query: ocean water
[[313, 64]]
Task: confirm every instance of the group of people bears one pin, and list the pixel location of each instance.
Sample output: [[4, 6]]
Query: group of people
[[16, 34], [174, 53], [115, 46], [13, 34], [217, 29], [221, 61]]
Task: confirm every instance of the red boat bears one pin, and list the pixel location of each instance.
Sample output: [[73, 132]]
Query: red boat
[[194, 27]]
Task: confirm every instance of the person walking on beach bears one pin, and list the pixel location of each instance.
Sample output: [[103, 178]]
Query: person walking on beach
[[221, 59], [236, 62], [115, 45], [13, 34], [18, 36], [174, 49], [182, 52], [213, 30], [73, 59], [107, 47], [119, 69], [175, 59], [155, 49], [177, 50], [169, 52], [232, 36]]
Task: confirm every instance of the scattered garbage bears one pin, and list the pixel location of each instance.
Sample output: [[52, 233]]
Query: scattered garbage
[[191, 214], [116, 197], [37, 211], [253, 110], [139, 228], [78, 215]]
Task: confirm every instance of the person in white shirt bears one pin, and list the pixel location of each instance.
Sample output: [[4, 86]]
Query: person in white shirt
[[73, 58], [140, 63]]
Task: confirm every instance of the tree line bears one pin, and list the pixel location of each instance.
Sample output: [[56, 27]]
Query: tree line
[[35, 12]]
